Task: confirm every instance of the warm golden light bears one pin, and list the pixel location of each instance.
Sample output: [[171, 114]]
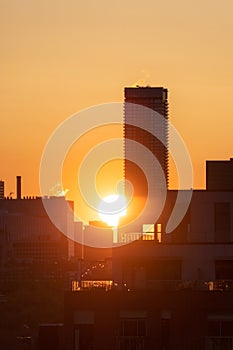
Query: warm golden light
[[112, 208]]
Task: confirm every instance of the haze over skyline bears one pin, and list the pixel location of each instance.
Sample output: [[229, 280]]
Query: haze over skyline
[[60, 57]]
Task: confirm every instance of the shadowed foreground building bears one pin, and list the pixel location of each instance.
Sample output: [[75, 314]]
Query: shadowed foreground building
[[31, 247], [169, 291], [145, 320]]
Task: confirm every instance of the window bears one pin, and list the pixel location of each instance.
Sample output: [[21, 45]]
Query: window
[[222, 217], [165, 333], [133, 330], [159, 232], [224, 269], [220, 328], [220, 333], [133, 327], [84, 330], [84, 337], [148, 232]]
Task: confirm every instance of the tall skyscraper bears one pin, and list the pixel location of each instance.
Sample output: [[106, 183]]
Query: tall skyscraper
[[154, 99], [145, 149]]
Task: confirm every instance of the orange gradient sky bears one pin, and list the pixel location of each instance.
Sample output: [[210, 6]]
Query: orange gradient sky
[[58, 57]]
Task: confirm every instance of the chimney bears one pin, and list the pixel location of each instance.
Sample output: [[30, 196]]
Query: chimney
[[18, 182], [1, 189]]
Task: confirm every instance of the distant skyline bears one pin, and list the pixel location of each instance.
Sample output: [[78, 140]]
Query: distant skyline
[[59, 57]]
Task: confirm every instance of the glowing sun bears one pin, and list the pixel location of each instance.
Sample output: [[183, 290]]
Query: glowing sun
[[112, 208]]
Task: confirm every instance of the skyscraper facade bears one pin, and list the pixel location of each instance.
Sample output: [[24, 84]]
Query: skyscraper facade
[[141, 104]]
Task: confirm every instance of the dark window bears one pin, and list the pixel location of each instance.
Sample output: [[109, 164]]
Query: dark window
[[165, 334], [227, 328], [214, 328], [224, 269], [142, 327], [132, 334], [133, 327], [84, 337], [131, 343], [220, 328], [129, 328], [222, 219]]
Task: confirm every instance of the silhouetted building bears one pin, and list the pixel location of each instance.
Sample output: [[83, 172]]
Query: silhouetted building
[[145, 146], [172, 293], [145, 320], [32, 246], [168, 291], [168, 294], [2, 187], [140, 105], [18, 187], [219, 175]]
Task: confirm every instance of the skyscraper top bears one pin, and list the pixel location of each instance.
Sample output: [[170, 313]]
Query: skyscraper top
[[146, 92]]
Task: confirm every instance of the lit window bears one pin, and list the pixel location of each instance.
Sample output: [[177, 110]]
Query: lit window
[[159, 232], [148, 232]]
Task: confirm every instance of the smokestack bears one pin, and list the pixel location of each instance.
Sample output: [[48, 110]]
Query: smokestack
[[18, 182], [2, 189]]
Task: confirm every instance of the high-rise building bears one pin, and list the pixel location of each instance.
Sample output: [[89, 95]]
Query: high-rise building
[[145, 144], [141, 105]]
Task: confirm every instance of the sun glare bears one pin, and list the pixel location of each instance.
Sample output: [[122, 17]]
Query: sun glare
[[112, 208]]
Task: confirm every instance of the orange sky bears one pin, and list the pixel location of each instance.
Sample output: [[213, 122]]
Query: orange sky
[[58, 57]]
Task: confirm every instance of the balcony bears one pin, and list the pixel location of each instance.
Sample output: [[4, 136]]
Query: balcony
[[219, 343], [131, 342]]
